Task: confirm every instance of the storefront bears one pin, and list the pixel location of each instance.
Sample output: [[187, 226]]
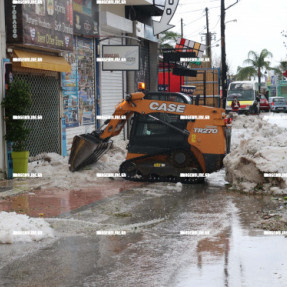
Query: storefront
[[63, 84], [37, 35], [45, 134]]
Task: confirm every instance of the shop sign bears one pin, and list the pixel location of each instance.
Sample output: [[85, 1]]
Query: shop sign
[[120, 58], [48, 25]]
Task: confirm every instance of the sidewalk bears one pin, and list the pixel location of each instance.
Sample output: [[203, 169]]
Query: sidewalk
[[18, 196], [58, 190]]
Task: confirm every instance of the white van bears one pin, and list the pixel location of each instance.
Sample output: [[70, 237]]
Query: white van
[[247, 95]]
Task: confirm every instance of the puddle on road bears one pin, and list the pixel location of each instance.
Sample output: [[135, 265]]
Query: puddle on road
[[234, 254], [237, 257], [53, 202]]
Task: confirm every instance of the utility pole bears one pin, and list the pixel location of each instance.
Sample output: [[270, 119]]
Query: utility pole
[[223, 52], [208, 36], [181, 21], [223, 55], [3, 154]]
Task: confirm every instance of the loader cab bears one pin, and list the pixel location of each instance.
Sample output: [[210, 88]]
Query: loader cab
[[150, 136]]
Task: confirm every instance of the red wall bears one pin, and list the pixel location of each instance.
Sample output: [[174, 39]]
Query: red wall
[[174, 81]]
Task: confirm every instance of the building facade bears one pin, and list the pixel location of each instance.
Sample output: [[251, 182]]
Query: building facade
[[62, 41]]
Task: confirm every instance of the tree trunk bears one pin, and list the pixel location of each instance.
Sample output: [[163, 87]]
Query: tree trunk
[[259, 79]]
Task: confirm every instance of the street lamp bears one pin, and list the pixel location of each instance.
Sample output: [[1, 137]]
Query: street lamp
[[227, 76], [234, 20], [223, 50]]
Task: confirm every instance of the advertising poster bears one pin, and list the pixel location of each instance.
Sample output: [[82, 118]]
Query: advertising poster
[[85, 17], [78, 86], [70, 91], [85, 81]]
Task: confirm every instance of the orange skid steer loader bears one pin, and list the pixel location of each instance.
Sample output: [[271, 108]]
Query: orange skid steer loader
[[170, 140]]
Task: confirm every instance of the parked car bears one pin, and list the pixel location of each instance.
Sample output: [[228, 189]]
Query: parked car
[[278, 104], [264, 105]]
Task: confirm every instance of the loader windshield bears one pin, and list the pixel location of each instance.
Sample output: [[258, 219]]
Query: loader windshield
[[149, 134], [148, 126]]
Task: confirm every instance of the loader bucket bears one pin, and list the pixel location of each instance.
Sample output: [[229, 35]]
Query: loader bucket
[[87, 149]]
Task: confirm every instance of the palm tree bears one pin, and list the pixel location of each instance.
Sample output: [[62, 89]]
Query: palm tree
[[256, 63], [245, 73]]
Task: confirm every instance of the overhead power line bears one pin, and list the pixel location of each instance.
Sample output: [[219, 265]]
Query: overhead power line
[[193, 21]]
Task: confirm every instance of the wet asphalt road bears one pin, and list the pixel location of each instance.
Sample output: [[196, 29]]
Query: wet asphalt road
[[231, 252]]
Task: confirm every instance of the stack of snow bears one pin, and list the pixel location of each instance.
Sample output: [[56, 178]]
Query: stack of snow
[[19, 227], [217, 178], [55, 168], [258, 147]]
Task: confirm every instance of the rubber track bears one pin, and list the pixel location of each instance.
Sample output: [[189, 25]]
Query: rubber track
[[150, 178]]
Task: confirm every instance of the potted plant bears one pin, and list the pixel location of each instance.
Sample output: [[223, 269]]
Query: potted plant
[[17, 102]]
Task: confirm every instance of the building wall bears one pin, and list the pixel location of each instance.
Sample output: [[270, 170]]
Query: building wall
[[115, 9]]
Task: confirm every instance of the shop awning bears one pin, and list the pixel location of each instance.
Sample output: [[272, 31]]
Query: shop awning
[[41, 62]]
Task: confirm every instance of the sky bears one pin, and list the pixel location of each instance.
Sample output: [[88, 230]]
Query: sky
[[259, 25]]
